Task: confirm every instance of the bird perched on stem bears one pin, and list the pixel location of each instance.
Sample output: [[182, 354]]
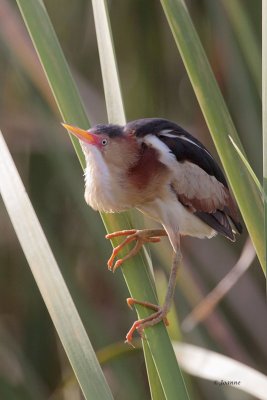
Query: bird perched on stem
[[154, 165]]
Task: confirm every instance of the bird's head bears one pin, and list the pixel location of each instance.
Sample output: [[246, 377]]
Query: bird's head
[[117, 146], [115, 141], [122, 163]]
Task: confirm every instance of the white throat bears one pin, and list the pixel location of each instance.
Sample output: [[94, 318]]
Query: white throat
[[99, 184]]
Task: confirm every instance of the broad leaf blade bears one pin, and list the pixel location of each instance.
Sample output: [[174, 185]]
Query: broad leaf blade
[[158, 342], [136, 271], [246, 37], [218, 120], [50, 281], [216, 367], [247, 165]]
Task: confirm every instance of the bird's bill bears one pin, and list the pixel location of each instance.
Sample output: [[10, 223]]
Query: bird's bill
[[81, 134]]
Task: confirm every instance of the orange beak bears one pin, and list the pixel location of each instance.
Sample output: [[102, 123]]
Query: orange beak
[[81, 134]]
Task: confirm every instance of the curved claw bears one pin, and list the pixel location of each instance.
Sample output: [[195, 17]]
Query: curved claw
[[135, 326], [118, 263], [126, 341]]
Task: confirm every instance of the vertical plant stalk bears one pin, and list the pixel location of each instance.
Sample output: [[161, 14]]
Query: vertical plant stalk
[[218, 120], [136, 271], [50, 281], [116, 114], [264, 113], [112, 89], [242, 26]]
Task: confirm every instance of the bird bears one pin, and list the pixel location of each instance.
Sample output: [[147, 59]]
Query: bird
[[157, 167]]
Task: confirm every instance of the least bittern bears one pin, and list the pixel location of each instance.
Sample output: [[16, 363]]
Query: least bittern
[[157, 167]]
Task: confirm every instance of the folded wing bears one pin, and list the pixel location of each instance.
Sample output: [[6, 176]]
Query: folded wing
[[199, 183]]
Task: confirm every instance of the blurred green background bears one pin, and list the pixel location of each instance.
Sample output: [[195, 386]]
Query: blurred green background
[[154, 84]]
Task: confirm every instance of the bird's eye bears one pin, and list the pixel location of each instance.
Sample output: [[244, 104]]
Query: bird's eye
[[104, 142]]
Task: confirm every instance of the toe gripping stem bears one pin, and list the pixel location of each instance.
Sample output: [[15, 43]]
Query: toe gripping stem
[[141, 324], [140, 236]]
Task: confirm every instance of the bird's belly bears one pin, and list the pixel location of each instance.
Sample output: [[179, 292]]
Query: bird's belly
[[174, 216]]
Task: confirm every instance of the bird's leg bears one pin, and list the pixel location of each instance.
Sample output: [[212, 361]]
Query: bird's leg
[[130, 301], [140, 236], [161, 312]]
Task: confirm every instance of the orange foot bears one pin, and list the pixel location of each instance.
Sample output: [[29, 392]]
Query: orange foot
[[140, 236], [141, 324]]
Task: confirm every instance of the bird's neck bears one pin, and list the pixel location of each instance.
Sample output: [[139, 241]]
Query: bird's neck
[[103, 190]]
